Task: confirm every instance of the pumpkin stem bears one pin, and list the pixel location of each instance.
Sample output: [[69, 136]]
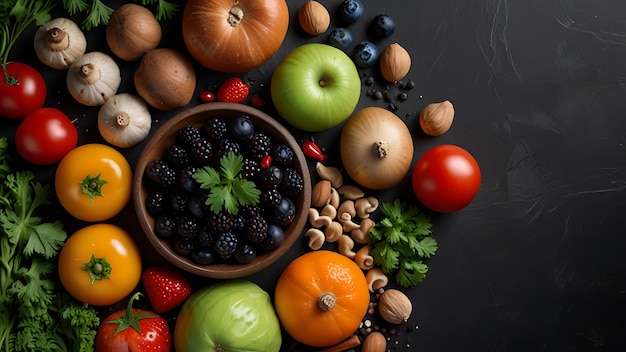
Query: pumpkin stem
[[381, 149], [326, 301]]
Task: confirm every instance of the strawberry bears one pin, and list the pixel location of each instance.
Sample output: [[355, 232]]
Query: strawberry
[[165, 288], [233, 90]]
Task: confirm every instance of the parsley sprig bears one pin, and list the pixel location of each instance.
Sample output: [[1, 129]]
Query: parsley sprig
[[401, 242], [228, 189]]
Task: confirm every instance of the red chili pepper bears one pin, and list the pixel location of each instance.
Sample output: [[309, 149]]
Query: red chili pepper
[[207, 96], [266, 162], [313, 151]]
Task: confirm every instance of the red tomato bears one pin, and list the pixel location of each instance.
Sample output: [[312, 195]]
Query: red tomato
[[22, 90], [446, 178], [45, 136], [133, 330]]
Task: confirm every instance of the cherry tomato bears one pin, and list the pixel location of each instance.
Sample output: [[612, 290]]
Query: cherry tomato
[[100, 264], [45, 136], [22, 90], [446, 178], [93, 182], [133, 330]]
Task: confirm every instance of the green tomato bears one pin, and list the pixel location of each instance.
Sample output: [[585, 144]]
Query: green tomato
[[315, 87], [233, 315]]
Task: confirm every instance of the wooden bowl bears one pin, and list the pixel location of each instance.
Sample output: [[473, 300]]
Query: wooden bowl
[[165, 136]]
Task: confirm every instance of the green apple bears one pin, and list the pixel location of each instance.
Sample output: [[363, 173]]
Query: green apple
[[315, 87]]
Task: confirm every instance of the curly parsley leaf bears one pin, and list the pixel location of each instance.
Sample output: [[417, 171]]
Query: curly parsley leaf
[[165, 9], [401, 241], [228, 189]]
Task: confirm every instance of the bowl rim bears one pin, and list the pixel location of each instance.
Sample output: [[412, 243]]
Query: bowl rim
[[220, 270]]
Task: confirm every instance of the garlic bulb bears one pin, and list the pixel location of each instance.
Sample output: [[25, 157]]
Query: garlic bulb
[[93, 78], [124, 120], [59, 43]]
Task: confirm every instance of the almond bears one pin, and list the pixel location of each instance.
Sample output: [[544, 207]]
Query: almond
[[314, 18], [395, 63]]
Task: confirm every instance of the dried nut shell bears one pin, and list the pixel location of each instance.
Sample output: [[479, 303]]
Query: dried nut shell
[[374, 342], [395, 63], [394, 306], [320, 193], [329, 173], [436, 118], [314, 18]]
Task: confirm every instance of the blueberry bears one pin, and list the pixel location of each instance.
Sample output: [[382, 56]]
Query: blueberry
[[340, 38], [351, 10], [245, 254], [202, 256], [365, 54], [382, 26], [284, 213], [275, 237], [242, 128]]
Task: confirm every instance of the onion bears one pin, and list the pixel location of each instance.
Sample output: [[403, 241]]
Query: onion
[[132, 31], [376, 148], [165, 79]]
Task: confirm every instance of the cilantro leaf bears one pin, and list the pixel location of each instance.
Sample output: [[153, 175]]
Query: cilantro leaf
[[165, 9], [228, 189], [401, 241]]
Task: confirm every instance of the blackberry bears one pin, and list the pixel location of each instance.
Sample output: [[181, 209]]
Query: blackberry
[[259, 146], [256, 229], [183, 246], [215, 129], [188, 134], [220, 222], [241, 128], [249, 210], [270, 198], [205, 237], [292, 182], [239, 223], [165, 225], [188, 227], [275, 237], [250, 169], [227, 145], [160, 173], [270, 177], [284, 213], [155, 203], [177, 156], [186, 180], [202, 256], [225, 244], [282, 155], [202, 150], [179, 201], [245, 254]]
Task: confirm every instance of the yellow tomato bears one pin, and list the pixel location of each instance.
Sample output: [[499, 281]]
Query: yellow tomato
[[93, 182], [100, 264]]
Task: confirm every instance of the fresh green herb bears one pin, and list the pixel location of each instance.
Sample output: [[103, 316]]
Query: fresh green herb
[[97, 12], [229, 190], [401, 242], [165, 10], [34, 314], [16, 16]]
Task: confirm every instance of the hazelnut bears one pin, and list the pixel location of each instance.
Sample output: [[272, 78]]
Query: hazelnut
[[436, 118], [314, 18]]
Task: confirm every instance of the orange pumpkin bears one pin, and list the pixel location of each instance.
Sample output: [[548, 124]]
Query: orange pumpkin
[[234, 35], [321, 298]]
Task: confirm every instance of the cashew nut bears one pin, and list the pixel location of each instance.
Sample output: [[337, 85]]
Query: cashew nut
[[334, 198], [365, 206], [320, 193], [361, 235], [345, 245], [346, 207], [350, 192], [364, 258], [318, 220], [333, 231], [316, 238], [329, 211], [376, 279], [329, 173]]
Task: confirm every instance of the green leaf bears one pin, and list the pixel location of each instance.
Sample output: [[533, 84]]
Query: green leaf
[[411, 273], [427, 247], [46, 239], [231, 165], [74, 6]]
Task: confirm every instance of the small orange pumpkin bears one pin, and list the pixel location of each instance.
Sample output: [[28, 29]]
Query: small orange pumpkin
[[234, 35], [321, 298]]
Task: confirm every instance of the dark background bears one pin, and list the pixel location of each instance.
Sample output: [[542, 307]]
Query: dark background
[[535, 262]]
